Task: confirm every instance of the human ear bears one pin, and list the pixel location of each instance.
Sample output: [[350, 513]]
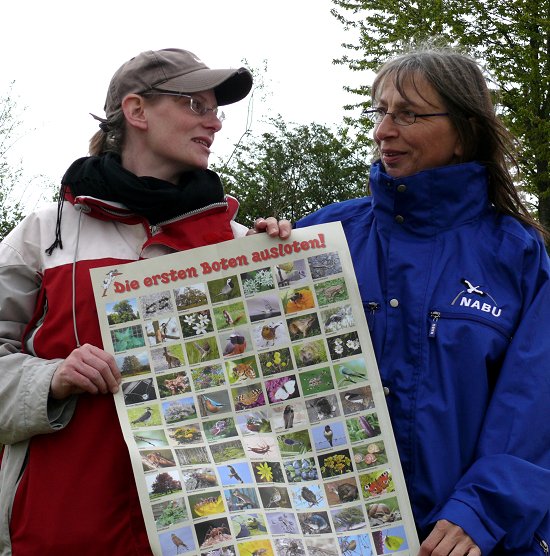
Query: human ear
[[133, 107]]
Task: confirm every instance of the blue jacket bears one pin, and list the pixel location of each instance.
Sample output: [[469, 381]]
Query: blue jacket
[[458, 304]]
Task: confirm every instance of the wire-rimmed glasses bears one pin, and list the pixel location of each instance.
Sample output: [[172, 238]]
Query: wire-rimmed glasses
[[197, 105], [399, 117]]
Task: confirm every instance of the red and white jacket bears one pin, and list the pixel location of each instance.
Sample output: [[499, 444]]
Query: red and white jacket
[[66, 483]]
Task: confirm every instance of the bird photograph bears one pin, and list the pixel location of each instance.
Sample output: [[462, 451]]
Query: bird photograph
[[178, 543], [237, 473], [275, 497], [144, 416], [227, 288], [235, 343], [323, 407], [270, 334], [216, 402], [265, 307], [234, 475], [203, 350], [291, 272], [288, 416], [312, 496], [358, 399], [338, 319], [328, 434], [224, 289], [351, 372]]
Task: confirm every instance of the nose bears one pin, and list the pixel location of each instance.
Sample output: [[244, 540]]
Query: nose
[[212, 121], [386, 128]]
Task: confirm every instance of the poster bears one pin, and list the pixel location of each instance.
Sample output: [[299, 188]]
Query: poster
[[251, 403]]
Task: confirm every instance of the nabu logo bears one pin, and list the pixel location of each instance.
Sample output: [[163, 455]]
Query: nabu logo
[[473, 297]]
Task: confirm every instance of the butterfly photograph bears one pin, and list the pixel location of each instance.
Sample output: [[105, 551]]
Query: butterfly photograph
[[377, 483], [282, 389], [248, 397]]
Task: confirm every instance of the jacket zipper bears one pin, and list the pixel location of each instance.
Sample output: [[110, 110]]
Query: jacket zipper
[[192, 213], [436, 315], [154, 228], [543, 544]]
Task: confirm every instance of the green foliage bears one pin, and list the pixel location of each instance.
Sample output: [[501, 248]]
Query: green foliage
[[511, 38], [11, 209], [293, 170], [12, 192]]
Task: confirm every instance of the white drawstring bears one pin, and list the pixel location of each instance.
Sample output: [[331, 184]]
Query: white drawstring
[[80, 209]]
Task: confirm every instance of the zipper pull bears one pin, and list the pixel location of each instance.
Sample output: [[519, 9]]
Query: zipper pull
[[373, 307], [543, 544], [433, 326]]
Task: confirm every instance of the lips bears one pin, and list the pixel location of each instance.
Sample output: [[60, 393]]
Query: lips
[[203, 141], [392, 156]]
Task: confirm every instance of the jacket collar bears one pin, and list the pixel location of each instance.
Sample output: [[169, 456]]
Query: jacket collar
[[205, 226], [429, 201]]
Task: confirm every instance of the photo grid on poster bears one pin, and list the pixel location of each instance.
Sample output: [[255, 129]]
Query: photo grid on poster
[[251, 402]]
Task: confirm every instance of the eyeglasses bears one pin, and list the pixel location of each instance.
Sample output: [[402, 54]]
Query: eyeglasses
[[196, 105], [401, 117]]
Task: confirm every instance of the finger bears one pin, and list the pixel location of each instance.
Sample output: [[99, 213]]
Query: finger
[[285, 229], [465, 546], [272, 227], [102, 370], [67, 382], [100, 373], [98, 366]]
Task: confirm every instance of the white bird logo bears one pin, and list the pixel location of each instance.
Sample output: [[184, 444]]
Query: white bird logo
[[471, 288]]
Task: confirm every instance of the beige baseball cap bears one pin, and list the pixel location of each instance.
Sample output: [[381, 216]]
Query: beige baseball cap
[[173, 69]]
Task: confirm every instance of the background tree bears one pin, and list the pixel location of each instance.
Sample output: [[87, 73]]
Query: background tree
[[510, 37], [14, 185], [11, 209], [294, 170]]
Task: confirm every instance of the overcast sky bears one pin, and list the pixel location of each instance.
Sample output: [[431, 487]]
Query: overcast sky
[[61, 55]]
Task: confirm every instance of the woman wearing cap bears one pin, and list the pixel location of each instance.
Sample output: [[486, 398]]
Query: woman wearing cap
[[66, 484], [455, 282]]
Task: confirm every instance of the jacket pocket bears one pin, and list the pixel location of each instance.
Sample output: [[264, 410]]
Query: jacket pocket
[[438, 317]]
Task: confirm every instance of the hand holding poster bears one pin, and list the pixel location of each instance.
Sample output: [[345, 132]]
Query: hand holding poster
[[251, 402]]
